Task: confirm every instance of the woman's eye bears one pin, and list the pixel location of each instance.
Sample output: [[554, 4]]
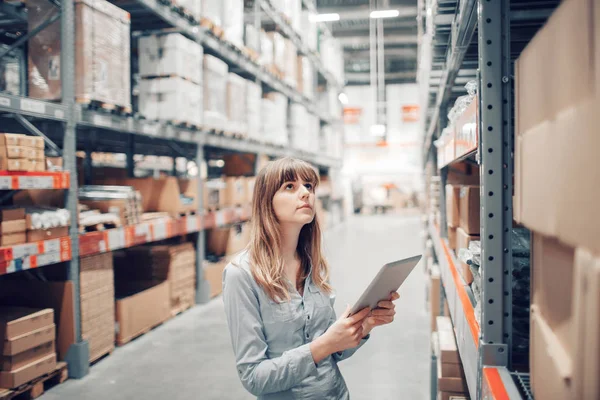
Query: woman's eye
[[289, 186], [309, 186]]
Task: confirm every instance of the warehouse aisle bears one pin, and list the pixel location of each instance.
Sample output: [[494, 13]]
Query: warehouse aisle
[[190, 356]]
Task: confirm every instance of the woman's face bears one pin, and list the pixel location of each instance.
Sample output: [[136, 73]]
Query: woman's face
[[294, 203]]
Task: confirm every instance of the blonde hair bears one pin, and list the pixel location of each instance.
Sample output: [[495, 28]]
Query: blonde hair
[[266, 261]]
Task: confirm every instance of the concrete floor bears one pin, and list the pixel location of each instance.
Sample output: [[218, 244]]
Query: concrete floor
[[190, 356]]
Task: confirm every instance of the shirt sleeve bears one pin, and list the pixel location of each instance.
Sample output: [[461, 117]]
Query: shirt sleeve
[[342, 355], [259, 374]]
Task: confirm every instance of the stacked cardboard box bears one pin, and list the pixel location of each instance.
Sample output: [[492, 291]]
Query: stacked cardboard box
[[228, 241], [556, 191], [175, 264], [21, 152], [13, 226], [236, 105], [45, 223], [450, 375], [123, 201], [97, 293], [214, 193], [215, 93], [171, 85], [102, 53], [235, 193], [328, 103], [298, 126], [28, 345], [435, 288], [253, 101]]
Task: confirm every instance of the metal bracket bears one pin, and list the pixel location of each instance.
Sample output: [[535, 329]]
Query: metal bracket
[[33, 129], [494, 354]]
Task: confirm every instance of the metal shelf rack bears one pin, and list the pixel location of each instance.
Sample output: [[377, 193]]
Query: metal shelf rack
[[452, 54], [73, 126]]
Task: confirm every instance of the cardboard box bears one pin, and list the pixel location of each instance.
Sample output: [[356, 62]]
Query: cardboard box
[[214, 193], [452, 238], [38, 165], [217, 240], [213, 273], [462, 242], [54, 163], [451, 396], [47, 234], [17, 321], [238, 239], [12, 213], [29, 340], [469, 209], [36, 142], [434, 296], [21, 152], [235, 191], [10, 139], [17, 361], [450, 384], [452, 205], [140, 306], [12, 239], [11, 164], [448, 352], [28, 373], [173, 99], [16, 226]]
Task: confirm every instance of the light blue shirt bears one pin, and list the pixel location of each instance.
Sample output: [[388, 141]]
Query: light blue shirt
[[271, 340]]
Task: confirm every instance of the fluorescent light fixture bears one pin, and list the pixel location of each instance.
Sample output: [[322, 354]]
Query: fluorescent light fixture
[[343, 98], [377, 130], [384, 14], [325, 17]]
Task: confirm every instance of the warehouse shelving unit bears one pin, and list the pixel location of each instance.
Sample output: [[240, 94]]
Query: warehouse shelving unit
[[73, 126], [503, 29]]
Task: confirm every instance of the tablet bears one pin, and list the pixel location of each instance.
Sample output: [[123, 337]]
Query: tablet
[[389, 279]]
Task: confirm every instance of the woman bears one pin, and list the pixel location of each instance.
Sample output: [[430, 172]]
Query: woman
[[279, 304]]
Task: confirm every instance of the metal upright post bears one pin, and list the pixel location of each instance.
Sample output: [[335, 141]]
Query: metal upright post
[[78, 354], [202, 286], [496, 186]]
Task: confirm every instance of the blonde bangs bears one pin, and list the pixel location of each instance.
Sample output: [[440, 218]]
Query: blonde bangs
[[266, 261]]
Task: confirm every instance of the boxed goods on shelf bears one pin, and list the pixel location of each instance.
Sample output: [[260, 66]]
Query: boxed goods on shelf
[[306, 77], [233, 21], [235, 191], [213, 10], [20, 152], [452, 205], [13, 226], [309, 30], [252, 38], [565, 322], [290, 64], [140, 306], [278, 50], [274, 118], [236, 105], [213, 273], [215, 93], [214, 193], [435, 287], [101, 46], [228, 241], [266, 49], [97, 293], [123, 201], [253, 101], [332, 56], [171, 99], [463, 240], [10, 71], [469, 209], [298, 127], [452, 237], [450, 375], [170, 55], [328, 103], [28, 337]]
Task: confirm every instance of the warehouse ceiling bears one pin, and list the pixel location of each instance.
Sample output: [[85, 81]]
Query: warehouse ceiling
[[400, 38]]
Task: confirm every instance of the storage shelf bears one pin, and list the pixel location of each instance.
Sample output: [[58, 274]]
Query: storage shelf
[[152, 231], [18, 180], [33, 108], [26, 256], [461, 310], [498, 384]]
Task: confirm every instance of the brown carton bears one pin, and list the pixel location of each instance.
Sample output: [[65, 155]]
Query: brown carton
[[235, 191], [462, 242], [11, 164], [36, 142], [10, 139], [11, 363], [28, 373], [47, 234], [434, 296], [140, 306], [12, 213], [17, 321], [469, 209], [452, 205], [452, 238], [217, 240], [213, 273], [16, 226], [11, 239], [29, 340]]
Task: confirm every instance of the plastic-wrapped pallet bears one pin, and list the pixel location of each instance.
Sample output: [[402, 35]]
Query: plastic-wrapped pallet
[[278, 50], [168, 55], [298, 124], [266, 49], [213, 10], [253, 102], [102, 53], [294, 12], [252, 38], [308, 29], [236, 105], [171, 99], [274, 118], [215, 93], [10, 71], [290, 70], [305, 77], [233, 21]]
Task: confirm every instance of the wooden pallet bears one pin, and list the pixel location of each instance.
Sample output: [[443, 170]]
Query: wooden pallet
[[137, 335], [36, 388], [180, 309], [107, 107]]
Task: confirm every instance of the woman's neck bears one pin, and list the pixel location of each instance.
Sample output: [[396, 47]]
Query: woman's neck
[[289, 250]]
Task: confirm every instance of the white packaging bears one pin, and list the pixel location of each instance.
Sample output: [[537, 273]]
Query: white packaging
[[171, 99], [253, 107], [213, 10], [274, 118], [308, 29], [328, 103], [168, 55], [278, 50], [10, 76], [294, 11], [236, 105], [298, 126], [332, 56], [266, 49], [306, 77], [233, 21], [215, 93], [290, 69], [252, 38]]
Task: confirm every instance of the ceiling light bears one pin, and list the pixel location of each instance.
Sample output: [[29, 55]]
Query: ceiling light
[[325, 17], [343, 98], [384, 14], [377, 130]]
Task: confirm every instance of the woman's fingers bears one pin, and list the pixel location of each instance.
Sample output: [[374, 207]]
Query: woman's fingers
[[395, 296], [383, 312], [385, 304]]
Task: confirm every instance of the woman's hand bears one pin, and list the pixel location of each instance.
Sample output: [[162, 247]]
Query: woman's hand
[[382, 315], [345, 333]]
